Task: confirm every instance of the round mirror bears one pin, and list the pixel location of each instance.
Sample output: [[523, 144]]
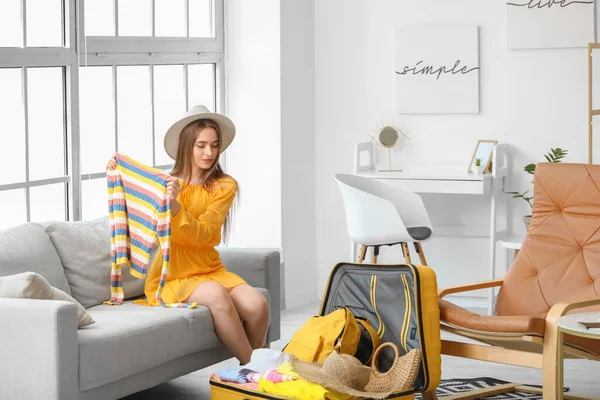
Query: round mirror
[[388, 136]]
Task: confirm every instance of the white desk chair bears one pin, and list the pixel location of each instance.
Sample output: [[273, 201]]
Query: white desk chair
[[378, 214]]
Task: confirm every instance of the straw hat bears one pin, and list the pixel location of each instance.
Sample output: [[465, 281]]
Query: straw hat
[[195, 113], [346, 374]]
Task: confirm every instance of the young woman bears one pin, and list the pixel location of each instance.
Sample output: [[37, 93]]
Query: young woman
[[201, 200]]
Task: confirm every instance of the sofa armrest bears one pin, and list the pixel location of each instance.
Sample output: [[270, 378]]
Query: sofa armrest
[[38, 349], [260, 268]]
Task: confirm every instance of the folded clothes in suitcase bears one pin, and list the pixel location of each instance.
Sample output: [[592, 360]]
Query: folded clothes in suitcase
[[401, 303]]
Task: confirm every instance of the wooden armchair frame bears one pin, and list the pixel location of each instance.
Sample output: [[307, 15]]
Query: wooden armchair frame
[[516, 349]]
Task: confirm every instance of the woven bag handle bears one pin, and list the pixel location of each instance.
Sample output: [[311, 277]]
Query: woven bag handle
[[376, 355]]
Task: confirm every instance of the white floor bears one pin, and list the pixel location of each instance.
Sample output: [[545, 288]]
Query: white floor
[[582, 377]]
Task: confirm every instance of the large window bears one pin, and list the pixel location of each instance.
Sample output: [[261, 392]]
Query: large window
[[67, 103]]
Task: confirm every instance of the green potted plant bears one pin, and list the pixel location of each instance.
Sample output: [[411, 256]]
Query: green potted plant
[[478, 167], [555, 156]]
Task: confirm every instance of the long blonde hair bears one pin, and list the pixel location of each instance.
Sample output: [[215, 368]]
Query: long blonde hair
[[183, 164]]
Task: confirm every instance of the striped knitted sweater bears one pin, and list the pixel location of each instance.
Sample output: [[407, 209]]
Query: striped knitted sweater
[[139, 214]]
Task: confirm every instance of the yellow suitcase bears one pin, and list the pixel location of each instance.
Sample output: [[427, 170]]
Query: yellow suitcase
[[230, 391], [401, 303]]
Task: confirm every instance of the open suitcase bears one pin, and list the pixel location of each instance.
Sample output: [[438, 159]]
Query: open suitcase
[[401, 303]]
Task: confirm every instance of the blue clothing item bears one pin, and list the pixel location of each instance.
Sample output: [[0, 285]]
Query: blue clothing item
[[234, 374]]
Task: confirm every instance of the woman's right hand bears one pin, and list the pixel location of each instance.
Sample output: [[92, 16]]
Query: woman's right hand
[[173, 187], [112, 163]]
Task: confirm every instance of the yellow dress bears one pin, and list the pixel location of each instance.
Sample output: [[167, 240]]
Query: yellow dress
[[195, 231]]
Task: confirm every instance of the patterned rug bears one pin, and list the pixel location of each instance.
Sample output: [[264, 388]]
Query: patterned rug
[[453, 386]]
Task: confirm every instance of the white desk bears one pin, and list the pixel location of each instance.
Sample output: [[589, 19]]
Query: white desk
[[513, 243], [435, 179], [447, 180]]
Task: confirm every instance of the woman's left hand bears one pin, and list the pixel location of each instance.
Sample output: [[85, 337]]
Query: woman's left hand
[[173, 187]]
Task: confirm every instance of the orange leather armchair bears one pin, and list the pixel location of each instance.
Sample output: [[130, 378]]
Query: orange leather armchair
[[557, 271]]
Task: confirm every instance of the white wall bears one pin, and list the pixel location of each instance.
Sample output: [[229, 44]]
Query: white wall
[[298, 150], [270, 97], [253, 95], [532, 99]]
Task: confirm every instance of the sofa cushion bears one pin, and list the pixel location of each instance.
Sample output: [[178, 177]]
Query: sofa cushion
[[27, 248], [30, 285], [84, 250], [131, 338]]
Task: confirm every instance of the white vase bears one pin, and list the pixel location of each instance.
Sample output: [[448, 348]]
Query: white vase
[[527, 221], [478, 170]]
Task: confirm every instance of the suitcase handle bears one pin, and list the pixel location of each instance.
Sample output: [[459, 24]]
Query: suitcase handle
[[376, 355], [402, 373]]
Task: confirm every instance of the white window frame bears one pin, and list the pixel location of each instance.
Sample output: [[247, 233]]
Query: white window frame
[[59, 57], [106, 51]]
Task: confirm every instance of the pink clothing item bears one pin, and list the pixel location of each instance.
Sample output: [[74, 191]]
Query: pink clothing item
[[271, 375]]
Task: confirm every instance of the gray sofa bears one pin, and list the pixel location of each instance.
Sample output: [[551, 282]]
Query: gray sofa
[[130, 347]]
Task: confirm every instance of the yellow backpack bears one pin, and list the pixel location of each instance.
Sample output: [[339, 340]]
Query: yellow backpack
[[341, 330]]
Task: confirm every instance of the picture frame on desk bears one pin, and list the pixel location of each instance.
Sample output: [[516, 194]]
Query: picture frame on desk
[[484, 152]]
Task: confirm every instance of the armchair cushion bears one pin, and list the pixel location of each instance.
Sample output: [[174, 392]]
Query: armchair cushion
[[460, 317], [560, 258], [590, 345], [463, 319]]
